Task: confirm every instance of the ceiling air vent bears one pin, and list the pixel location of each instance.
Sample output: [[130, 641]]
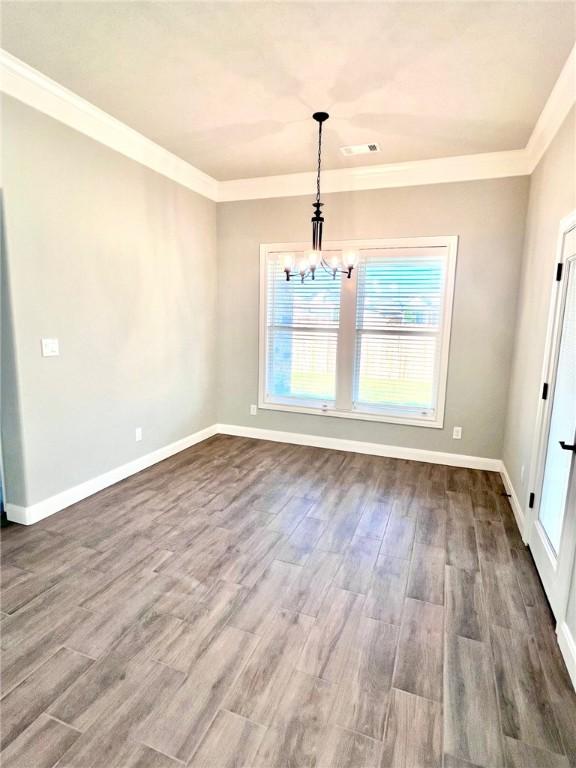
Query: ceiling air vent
[[360, 149]]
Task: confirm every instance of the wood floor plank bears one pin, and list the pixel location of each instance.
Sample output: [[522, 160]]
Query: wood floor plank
[[385, 599], [526, 712], [307, 533], [100, 631], [329, 643], [471, 723], [297, 732], [102, 745], [32, 651], [262, 683], [431, 525], [461, 549], [413, 734], [485, 506], [419, 660], [339, 531], [457, 480], [260, 604], [504, 603], [203, 623], [460, 508], [10, 575], [426, 579], [23, 704], [399, 537], [558, 684], [528, 579], [39, 746], [231, 741], [110, 679], [362, 699], [510, 525], [520, 755], [374, 520], [465, 604], [138, 756], [291, 514], [312, 582], [355, 572], [177, 727], [346, 749], [491, 540]]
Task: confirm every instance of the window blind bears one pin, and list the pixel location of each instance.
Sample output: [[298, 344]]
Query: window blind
[[398, 332], [302, 337]]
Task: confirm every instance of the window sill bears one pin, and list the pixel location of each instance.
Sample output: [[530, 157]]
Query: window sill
[[411, 421]]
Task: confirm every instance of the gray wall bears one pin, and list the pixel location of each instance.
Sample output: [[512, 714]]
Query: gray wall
[[552, 196], [120, 264], [489, 218]]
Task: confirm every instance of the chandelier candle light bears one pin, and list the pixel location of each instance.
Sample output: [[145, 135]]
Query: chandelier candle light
[[315, 258]]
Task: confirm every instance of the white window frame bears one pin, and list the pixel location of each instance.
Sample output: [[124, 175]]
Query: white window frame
[[347, 330]]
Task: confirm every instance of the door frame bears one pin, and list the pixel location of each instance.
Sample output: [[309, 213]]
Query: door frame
[[550, 566]]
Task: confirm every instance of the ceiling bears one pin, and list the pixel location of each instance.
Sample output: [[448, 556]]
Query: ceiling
[[230, 86]]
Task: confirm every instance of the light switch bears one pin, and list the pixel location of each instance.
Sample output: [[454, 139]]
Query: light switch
[[50, 348]]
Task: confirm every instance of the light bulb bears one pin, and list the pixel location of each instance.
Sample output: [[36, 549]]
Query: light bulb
[[334, 261], [350, 258], [314, 258], [288, 260], [302, 266]]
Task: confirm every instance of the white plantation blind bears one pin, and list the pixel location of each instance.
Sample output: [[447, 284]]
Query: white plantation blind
[[399, 312], [302, 336], [373, 347]]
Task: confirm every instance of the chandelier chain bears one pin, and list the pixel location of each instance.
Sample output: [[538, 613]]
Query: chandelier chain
[[319, 161]]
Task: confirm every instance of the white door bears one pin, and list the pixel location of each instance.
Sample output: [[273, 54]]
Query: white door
[[552, 537]]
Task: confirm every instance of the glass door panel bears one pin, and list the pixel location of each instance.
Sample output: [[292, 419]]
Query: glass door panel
[[562, 423]]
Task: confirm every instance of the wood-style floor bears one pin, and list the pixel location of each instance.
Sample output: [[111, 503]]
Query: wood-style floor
[[259, 604]]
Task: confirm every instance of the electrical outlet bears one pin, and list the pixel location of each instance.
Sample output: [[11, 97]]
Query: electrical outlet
[[457, 433], [50, 348], [253, 410], [138, 434]]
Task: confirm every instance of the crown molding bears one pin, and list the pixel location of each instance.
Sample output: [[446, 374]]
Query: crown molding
[[489, 165], [561, 100], [31, 87]]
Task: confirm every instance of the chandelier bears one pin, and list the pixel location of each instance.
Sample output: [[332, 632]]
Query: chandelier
[[313, 259]]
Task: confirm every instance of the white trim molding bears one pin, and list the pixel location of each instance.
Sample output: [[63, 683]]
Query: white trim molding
[[36, 512], [28, 85], [31, 87], [514, 503], [567, 644], [357, 446], [442, 170], [561, 100]]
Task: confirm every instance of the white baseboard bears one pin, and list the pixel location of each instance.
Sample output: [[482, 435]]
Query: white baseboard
[[357, 446], [36, 512], [567, 644], [514, 503], [46, 507]]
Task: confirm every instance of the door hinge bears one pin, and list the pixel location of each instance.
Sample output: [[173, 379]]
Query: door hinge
[[559, 270], [531, 500], [545, 391]]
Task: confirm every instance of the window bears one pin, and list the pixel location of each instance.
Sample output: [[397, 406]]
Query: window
[[372, 347]]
